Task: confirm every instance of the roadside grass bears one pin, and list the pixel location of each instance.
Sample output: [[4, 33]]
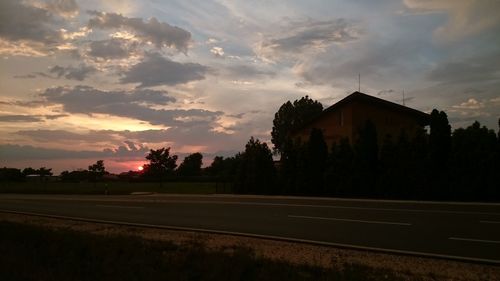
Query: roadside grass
[[37, 253], [115, 188]]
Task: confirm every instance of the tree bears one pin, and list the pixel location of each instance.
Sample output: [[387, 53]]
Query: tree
[[11, 174], [498, 134], [317, 154], [191, 165], [256, 172], [339, 169], [223, 167], [161, 164], [44, 172], [216, 168], [97, 170], [75, 176], [473, 168], [291, 117], [366, 159], [389, 168], [367, 145], [440, 138], [290, 170], [439, 152], [29, 171], [415, 157], [224, 170]]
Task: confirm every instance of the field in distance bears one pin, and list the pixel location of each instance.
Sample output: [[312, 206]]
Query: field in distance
[[114, 188]]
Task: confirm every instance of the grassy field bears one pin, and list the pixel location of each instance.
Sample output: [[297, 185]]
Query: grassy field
[[111, 187], [38, 253]]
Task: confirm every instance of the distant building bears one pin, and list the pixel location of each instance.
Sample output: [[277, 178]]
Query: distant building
[[345, 118], [38, 178]]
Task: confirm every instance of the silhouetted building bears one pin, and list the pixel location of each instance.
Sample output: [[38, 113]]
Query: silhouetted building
[[345, 118]]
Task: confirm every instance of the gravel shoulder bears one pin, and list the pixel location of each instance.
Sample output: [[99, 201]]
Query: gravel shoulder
[[407, 267]]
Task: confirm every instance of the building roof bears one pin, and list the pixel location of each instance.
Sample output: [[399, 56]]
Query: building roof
[[422, 117]]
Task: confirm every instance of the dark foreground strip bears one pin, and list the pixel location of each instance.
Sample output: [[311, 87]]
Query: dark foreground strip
[[268, 237]]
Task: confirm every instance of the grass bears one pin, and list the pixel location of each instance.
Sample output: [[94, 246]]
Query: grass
[[36, 253], [112, 187]]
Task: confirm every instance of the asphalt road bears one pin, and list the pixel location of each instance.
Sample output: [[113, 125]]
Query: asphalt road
[[460, 230]]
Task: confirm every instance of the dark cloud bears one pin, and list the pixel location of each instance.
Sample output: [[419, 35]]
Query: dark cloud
[[31, 103], [157, 70], [240, 115], [80, 72], [81, 99], [21, 22], [29, 118], [55, 116], [480, 68], [27, 76], [246, 71], [20, 118], [43, 74], [131, 145], [237, 116], [297, 38], [464, 19], [43, 135], [385, 92], [109, 49], [73, 73], [159, 33], [27, 152], [200, 135], [473, 91], [64, 8], [137, 104], [379, 63]]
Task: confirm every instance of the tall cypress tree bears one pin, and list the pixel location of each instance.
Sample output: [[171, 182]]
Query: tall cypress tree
[[317, 152], [339, 172], [440, 138], [439, 148], [366, 162]]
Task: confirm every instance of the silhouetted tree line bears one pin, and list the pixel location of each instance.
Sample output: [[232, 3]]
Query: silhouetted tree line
[[94, 173], [163, 167], [14, 174], [250, 171]]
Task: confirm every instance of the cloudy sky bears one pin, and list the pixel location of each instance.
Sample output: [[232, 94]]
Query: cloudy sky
[[88, 80]]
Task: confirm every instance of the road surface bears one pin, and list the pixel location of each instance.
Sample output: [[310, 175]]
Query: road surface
[[468, 231]]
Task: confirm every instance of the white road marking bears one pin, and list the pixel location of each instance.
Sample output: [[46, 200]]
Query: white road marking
[[474, 240], [350, 220], [122, 207], [489, 221]]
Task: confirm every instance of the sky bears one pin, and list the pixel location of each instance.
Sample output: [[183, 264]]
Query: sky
[[87, 80]]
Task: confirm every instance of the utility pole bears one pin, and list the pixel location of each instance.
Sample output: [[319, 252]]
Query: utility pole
[[403, 97]]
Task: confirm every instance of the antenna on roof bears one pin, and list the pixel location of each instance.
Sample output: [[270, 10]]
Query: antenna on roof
[[403, 97], [359, 82]]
